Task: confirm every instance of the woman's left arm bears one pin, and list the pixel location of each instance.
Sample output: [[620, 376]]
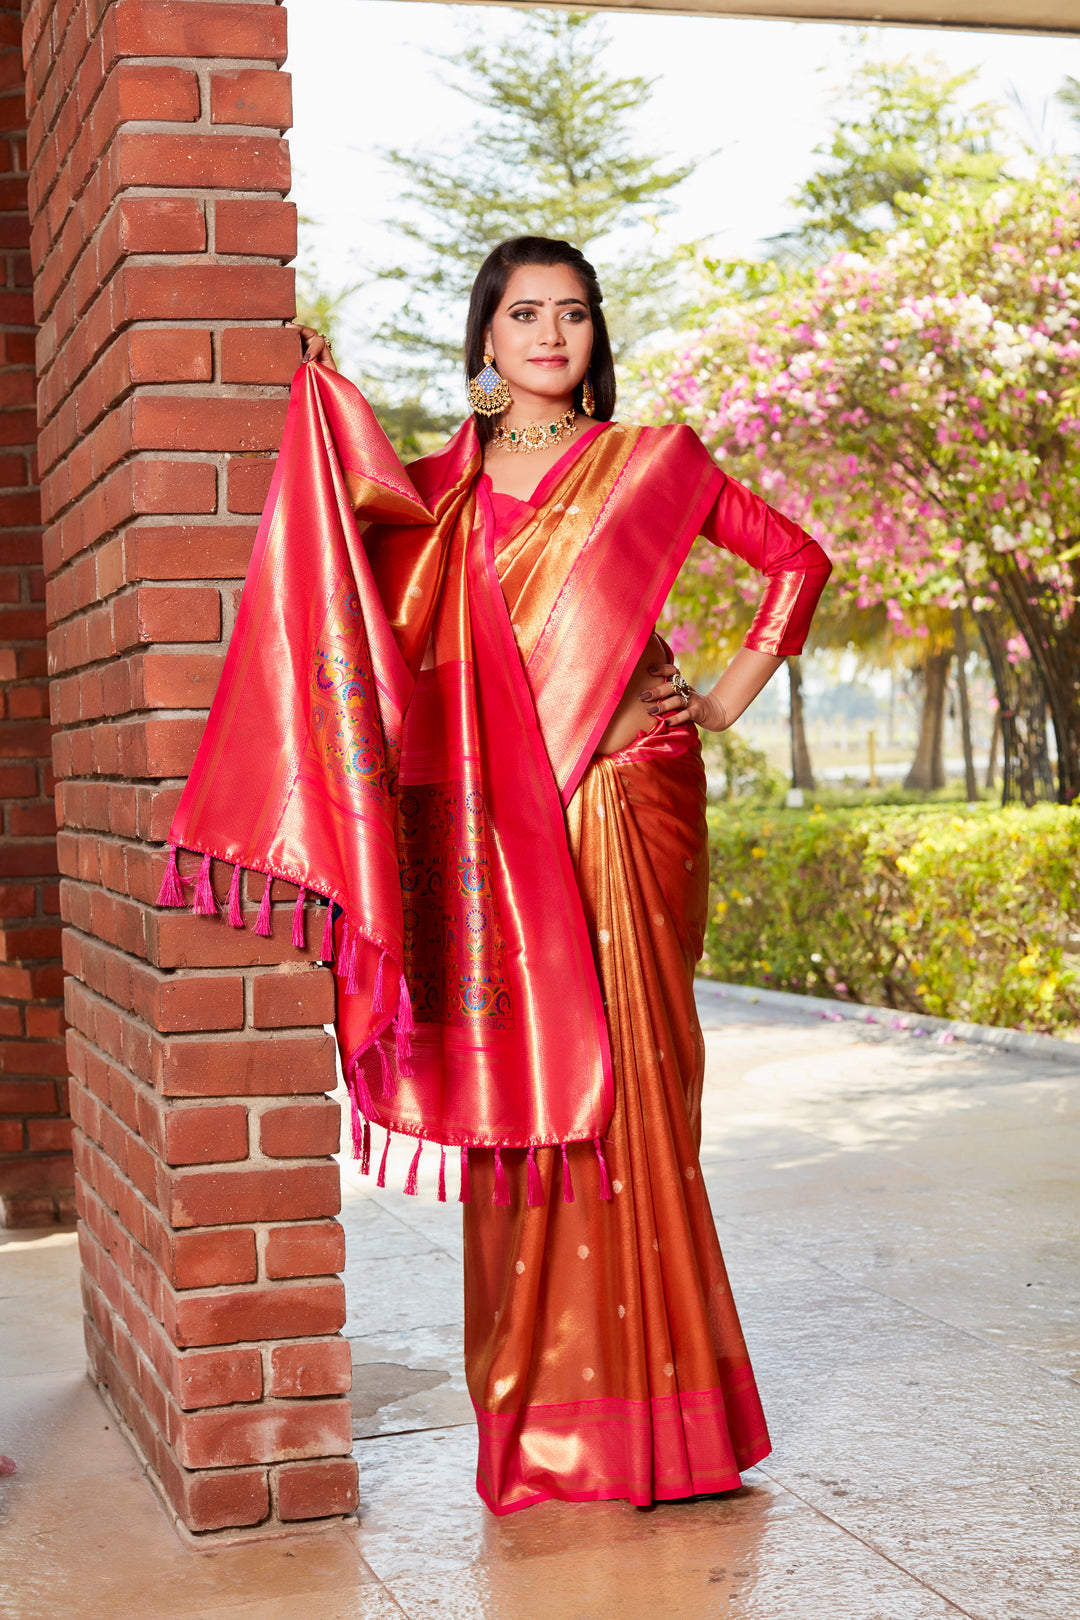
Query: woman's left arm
[[796, 570]]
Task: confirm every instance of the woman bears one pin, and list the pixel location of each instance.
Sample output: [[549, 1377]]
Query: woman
[[473, 743]]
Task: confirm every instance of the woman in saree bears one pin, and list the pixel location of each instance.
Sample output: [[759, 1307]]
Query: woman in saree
[[474, 746]]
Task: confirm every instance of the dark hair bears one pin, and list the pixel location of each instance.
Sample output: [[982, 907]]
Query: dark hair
[[487, 294]]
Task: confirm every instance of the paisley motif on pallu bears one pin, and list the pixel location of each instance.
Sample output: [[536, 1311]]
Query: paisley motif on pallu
[[343, 735], [455, 947]]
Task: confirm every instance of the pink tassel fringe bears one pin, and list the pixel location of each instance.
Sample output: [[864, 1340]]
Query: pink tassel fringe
[[442, 1175], [365, 1151], [567, 1184], [326, 949], [403, 1029], [171, 892], [204, 904], [377, 996], [410, 1179], [389, 1086], [605, 1179], [299, 942], [536, 1186], [501, 1193], [381, 1178], [352, 983], [465, 1195], [342, 964], [359, 1086], [263, 924], [357, 1127], [235, 913]]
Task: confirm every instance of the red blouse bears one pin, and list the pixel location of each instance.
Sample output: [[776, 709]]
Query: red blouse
[[795, 567]]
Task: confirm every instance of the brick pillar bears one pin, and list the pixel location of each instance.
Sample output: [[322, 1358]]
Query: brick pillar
[[35, 1154], [204, 1185]]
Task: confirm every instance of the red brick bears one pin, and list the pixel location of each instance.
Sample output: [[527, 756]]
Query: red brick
[[196, 1003], [227, 162], [18, 781], [169, 356], [43, 1023], [219, 1377], [252, 1067], [291, 1000], [301, 1130], [302, 1370], [162, 422], [190, 28], [315, 1249], [222, 1501], [11, 1136], [227, 1197], [253, 96], [266, 1434], [49, 1135], [262, 354], [47, 1058], [299, 1311], [177, 681], [249, 483], [26, 1096], [317, 1490], [189, 551], [211, 1259], [261, 226], [164, 613], [205, 1135]]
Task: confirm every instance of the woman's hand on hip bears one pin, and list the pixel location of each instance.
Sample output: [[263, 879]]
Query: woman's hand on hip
[[677, 708], [316, 346]]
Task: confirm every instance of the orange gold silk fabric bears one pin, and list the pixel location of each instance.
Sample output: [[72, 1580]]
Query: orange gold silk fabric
[[603, 1350]]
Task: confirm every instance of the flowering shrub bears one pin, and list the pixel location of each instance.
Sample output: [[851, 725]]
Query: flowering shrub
[[973, 915], [918, 408]]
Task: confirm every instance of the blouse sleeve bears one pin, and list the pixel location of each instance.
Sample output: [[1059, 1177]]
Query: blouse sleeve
[[795, 567]]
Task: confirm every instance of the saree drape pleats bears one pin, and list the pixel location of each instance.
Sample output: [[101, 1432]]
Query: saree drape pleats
[[603, 1350]]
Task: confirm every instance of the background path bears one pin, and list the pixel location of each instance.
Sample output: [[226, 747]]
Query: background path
[[900, 1221]]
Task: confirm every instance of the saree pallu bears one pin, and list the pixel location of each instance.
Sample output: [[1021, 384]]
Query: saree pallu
[[603, 1350]]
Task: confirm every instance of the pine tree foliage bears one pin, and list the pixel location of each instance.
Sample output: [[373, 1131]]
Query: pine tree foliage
[[552, 154], [1069, 96], [906, 128]]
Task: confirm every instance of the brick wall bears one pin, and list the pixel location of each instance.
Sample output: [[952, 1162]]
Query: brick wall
[[35, 1156], [206, 1194]]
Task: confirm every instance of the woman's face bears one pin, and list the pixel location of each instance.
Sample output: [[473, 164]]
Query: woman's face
[[542, 334]]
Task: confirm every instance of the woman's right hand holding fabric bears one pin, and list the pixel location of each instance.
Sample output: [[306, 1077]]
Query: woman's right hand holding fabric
[[316, 346]]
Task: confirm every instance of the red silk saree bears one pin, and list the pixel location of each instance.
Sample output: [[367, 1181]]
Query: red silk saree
[[406, 726]]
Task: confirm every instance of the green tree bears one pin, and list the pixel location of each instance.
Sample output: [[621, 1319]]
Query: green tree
[[905, 128], [1069, 96], [412, 427], [550, 155]]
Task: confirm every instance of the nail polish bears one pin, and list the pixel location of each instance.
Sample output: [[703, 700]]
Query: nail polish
[[645, 696]]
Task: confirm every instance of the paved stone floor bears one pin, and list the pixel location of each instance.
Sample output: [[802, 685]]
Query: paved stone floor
[[900, 1220]]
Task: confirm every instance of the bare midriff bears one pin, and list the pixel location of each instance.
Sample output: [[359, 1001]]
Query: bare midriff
[[631, 715]]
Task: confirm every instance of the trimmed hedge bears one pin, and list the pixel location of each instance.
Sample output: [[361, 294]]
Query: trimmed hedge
[[972, 915]]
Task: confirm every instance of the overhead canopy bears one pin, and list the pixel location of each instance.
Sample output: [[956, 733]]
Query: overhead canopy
[[1022, 16]]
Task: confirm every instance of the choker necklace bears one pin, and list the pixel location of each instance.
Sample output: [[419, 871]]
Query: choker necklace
[[536, 435]]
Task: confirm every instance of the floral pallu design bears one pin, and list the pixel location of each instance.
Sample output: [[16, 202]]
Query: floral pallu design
[[603, 1349]]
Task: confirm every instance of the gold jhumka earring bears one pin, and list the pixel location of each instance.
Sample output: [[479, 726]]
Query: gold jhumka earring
[[489, 394], [588, 398]]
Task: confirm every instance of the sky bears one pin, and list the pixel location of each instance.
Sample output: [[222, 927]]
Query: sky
[[757, 93]]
